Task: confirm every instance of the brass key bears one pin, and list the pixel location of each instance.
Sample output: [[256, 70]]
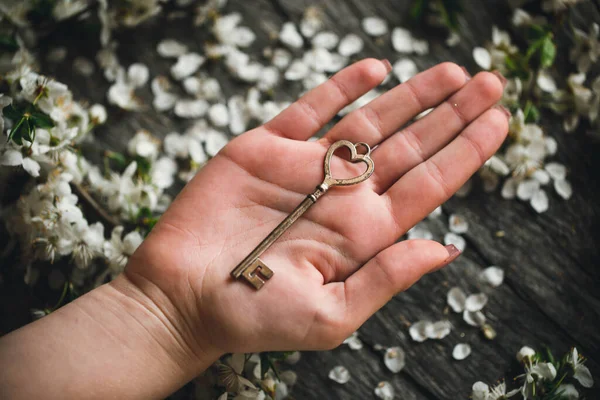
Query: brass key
[[252, 268]]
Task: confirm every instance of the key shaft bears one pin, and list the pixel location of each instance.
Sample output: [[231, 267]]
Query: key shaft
[[279, 230]]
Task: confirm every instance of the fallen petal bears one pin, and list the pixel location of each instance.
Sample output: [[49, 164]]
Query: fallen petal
[[339, 374], [476, 318], [394, 359], [493, 276], [457, 299], [418, 330], [461, 351], [385, 391], [476, 302]]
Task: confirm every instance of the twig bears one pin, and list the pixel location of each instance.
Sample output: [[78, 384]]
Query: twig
[[90, 200]]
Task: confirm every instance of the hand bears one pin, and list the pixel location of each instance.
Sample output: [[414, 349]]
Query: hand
[[340, 262]]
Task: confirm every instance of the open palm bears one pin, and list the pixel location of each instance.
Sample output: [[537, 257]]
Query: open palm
[[340, 262]]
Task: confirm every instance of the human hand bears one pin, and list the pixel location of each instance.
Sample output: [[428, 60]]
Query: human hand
[[340, 262]]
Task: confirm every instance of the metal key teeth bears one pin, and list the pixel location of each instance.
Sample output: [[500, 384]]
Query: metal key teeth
[[257, 274]]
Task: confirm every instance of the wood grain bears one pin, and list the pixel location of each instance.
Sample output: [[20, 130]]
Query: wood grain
[[551, 293]]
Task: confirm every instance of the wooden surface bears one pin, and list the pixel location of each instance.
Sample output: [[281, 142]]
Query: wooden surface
[[551, 292]]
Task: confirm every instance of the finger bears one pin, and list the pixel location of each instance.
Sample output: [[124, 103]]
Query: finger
[[386, 114], [391, 271], [432, 182], [304, 118], [419, 141]]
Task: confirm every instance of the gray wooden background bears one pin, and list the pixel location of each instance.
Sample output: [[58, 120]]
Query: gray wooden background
[[551, 293]]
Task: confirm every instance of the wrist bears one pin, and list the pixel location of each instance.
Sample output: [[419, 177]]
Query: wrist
[[148, 309]]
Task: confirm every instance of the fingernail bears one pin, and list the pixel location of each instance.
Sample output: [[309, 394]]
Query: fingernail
[[467, 74], [453, 253], [387, 64], [500, 77], [504, 110]]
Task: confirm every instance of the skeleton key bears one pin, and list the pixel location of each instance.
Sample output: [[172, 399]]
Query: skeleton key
[[252, 268]]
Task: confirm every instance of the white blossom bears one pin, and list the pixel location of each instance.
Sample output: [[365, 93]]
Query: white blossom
[[525, 353], [143, 144], [580, 372], [119, 248], [586, 51]]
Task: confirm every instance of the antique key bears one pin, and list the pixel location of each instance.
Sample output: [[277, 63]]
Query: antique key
[[252, 268]]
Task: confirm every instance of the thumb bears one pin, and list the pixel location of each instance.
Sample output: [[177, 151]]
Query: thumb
[[391, 271]]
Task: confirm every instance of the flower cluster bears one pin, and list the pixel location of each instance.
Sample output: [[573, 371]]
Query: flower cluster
[[95, 216], [544, 379]]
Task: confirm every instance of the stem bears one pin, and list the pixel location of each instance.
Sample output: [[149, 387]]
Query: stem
[[90, 200], [62, 297], [39, 96]]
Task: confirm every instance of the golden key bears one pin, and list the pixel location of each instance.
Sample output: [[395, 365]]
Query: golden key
[[252, 268]]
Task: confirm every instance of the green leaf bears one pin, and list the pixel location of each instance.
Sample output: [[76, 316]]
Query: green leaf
[[450, 10], [418, 9], [143, 167], [28, 130], [41, 120], [265, 364], [531, 113], [13, 112], [548, 52], [533, 48], [8, 43], [118, 158], [16, 132], [146, 218]]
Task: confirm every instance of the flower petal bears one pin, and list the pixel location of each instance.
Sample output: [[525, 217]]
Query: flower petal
[[493, 276], [339, 374], [461, 351], [32, 167], [394, 359], [11, 157], [385, 391], [482, 57], [418, 330], [584, 376], [456, 299]]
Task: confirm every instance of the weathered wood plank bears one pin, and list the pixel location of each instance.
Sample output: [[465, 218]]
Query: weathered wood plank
[[550, 296]]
